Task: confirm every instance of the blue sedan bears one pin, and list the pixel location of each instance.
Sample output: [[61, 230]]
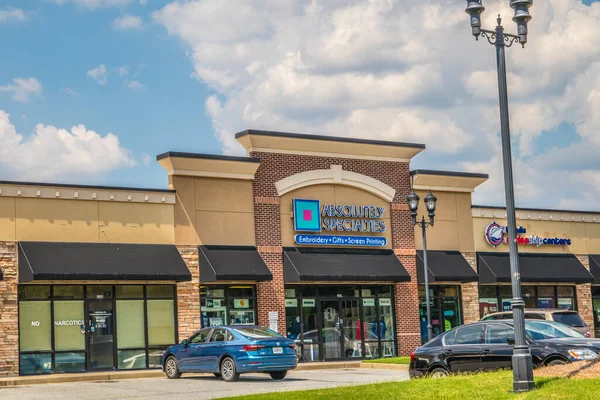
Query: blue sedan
[[228, 351]]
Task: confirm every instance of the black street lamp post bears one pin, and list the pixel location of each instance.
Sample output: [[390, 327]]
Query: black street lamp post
[[430, 203], [521, 359]]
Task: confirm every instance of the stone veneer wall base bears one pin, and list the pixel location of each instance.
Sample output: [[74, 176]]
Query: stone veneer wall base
[[9, 311]]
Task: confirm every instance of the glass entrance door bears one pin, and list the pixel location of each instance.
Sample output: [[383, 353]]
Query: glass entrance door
[[100, 334], [340, 323], [331, 331]]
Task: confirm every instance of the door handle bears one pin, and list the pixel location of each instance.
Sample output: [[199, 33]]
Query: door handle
[[447, 352], [485, 352]]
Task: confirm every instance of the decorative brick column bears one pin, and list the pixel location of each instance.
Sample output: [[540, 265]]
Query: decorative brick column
[[188, 295], [585, 306], [267, 227], [408, 328], [470, 293], [9, 311]]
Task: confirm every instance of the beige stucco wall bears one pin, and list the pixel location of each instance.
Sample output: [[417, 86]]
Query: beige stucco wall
[[332, 194], [453, 228], [61, 220], [213, 211], [585, 236]]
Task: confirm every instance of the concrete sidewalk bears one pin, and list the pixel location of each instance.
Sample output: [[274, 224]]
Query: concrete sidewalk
[[154, 373]]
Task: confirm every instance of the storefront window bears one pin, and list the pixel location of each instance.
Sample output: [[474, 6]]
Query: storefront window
[[340, 322], [35, 326], [129, 292], [131, 359], [130, 324], [31, 364], [161, 317], [69, 362], [223, 305], [445, 308], [498, 298], [56, 335], [69, 326]]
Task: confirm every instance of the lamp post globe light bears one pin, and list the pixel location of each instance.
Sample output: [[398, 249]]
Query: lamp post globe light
[[521, 359], [430, 203]]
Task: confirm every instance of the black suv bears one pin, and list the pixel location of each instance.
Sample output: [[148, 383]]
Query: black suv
[[488, 345]]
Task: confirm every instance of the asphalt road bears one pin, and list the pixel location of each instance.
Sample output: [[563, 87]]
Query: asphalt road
[[200, 387]]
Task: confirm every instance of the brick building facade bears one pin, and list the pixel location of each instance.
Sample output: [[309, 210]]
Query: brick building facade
[[221, 246]]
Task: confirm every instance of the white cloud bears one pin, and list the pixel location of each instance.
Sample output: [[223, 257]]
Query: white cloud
[[127, 23], [143, 2], [22, 88], [134, 85], [93, 4], [99, 74], [54, 153], [400, 70], [12, 14], [70, 92], [123, 71]]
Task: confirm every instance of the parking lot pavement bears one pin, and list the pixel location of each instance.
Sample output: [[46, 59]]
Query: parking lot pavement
[[201, 386]]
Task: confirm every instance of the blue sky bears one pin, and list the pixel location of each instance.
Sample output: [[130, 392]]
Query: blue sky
[[186, 75]]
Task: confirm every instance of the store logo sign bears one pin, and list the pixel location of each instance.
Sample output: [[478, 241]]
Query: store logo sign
[[306, 215], [496, 234]]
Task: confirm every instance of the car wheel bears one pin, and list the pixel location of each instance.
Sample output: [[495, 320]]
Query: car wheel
[[228, 371], [217, 375], [278, 375], [438, 373], [557, 361], [171, 368]]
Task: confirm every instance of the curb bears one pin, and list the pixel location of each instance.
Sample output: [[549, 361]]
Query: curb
[[117, 375], [397, 367]]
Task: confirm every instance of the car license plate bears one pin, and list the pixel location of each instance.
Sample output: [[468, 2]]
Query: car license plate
[[277, 350]]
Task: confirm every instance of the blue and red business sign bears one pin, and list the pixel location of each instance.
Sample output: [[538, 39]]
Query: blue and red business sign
[[495, 235]]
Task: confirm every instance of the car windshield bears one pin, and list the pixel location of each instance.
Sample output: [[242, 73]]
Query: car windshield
[[569, 319], [256, 333], [539, 330]]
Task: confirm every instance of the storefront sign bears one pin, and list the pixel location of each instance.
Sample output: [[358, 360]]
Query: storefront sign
[[496, 234], [291, 302], [325, 240], [368, 302], [213, 303], [337, 217], [73, 322], [241, 303], [216, 321], [385, 302], [308, 302]]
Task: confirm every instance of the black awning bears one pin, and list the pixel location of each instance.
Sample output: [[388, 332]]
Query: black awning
[[310, 264], [445, 266], [595, 268], [495, 268], [49, 261], [232, 263]]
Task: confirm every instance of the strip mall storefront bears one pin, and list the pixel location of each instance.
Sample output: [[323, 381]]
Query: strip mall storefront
[[308, 235]]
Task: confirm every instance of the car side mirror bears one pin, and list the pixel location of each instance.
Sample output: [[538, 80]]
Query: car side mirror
[[511, 341], [185, 342]]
